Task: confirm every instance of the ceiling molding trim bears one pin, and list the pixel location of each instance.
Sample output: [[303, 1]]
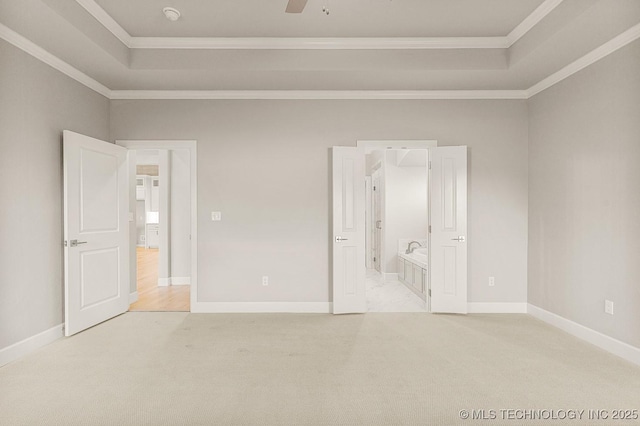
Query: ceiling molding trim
[[53, 61], [259, 43], [318, 43], [595, 55], [317, 94], [106, 20], [532, 20]]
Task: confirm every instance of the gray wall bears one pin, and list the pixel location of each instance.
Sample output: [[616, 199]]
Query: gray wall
[[36, 104], [180, 215], [265, 166], [584, 196]]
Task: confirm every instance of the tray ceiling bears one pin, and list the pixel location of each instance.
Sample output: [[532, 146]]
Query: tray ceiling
[[347, 18], [363, 45]]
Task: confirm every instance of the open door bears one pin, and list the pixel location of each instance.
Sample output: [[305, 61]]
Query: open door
[[348, 231], [96, 231], [448, 229]]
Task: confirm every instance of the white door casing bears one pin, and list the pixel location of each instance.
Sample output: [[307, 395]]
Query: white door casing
[[348, 238], [368, 241], [96, 231], [448, 229], [377, 220]]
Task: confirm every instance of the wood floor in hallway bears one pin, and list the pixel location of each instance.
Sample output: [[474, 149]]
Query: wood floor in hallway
[[151, 297]]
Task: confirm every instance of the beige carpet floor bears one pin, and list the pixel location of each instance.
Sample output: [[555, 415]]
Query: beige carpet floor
[[308, 369]]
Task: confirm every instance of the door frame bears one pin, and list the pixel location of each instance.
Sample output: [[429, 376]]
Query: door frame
[[368, 237], [191, 146]]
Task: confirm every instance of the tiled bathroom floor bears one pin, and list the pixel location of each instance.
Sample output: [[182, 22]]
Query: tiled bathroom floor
[[390, 296]]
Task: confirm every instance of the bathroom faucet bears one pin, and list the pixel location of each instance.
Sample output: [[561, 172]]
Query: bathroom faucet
[[411, 249]]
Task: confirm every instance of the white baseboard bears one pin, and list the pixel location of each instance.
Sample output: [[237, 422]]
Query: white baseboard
[[262, 307], [30, 344], [609, 344], [165, 282], [133, 297], [496, 308]]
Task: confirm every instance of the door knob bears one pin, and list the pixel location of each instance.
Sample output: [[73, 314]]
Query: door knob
[[75, 243], [340, 239], [460, 238]]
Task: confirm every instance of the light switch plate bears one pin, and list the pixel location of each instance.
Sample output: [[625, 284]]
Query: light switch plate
[[215, 216]]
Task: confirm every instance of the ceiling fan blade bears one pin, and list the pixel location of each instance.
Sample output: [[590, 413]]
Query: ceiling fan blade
[[295, 6]]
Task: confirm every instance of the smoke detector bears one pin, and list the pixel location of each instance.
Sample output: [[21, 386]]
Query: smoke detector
[[171, 13]]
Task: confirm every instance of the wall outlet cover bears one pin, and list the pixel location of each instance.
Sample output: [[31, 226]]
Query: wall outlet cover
[[608, 307]]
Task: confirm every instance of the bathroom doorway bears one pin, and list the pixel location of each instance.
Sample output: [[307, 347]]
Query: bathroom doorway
[[445, 254], [399, 226]]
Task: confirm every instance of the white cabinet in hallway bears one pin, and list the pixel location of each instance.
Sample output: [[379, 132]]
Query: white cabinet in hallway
[[140, 188], [153, 235], [155, 194]]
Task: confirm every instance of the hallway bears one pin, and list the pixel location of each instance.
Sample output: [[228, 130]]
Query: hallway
[[151, 297]]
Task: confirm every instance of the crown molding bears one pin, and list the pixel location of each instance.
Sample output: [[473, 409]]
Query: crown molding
[[318, 94], [53, 61], [318, 43], [595, 55], [531, 21], [315, 43], [106, 20]]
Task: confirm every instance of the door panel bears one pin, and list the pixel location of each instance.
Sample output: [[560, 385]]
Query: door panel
[[96, 231], [348, 231], [99, 281], [449, 229], [99, 191]]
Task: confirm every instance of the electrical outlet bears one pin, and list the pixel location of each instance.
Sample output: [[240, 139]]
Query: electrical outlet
[[608, 307], [492, 281], [265, 280]]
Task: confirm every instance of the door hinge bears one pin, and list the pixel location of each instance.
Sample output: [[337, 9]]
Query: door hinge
[[429, 228], [374, 258], [429, 292], [429, 164], [374, 188]]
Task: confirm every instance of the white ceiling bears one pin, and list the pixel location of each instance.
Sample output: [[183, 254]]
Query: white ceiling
[[347, 18], [252, 45]]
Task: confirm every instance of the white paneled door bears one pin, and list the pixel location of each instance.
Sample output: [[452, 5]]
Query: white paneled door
[[448, 229], [348, 237], [96, 231]]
